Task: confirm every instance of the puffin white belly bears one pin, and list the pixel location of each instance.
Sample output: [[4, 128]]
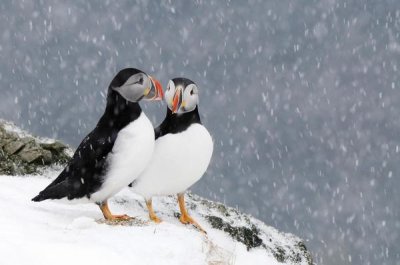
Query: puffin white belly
[[130, 155], [179, 160]]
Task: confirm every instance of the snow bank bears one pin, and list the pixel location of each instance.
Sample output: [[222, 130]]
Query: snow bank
[[53, 232]]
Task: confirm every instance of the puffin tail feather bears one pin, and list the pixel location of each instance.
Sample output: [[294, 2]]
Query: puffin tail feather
[[38, 198], [56, 191]]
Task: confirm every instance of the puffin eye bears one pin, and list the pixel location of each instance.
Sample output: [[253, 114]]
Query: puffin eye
[[140, 81], [193, 89]]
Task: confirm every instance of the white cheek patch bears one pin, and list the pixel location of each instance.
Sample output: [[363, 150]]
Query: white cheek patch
[[133, 89], [191, 100]]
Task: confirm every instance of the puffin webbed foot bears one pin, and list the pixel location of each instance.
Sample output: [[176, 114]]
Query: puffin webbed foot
[[186, 219], [119, 217], [111, 217]]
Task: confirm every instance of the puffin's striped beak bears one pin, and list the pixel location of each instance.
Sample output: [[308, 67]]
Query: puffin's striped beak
[[155, 92], [177, 100]]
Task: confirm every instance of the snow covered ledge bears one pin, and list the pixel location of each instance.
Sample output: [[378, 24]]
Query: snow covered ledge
[[52, 232]]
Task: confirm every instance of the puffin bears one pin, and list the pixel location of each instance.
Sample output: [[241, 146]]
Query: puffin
[[182, 151], [116, 151]]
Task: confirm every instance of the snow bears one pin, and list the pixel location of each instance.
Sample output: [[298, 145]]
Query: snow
[[52, 232], [288, 87]]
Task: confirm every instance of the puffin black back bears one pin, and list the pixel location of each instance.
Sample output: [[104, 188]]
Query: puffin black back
[[176, 123], [84, 173], [92, 172]]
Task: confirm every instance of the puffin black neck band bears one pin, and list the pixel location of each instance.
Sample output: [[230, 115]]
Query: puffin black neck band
[[176, 123]]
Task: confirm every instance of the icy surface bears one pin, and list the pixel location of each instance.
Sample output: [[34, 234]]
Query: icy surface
[[53, 232]]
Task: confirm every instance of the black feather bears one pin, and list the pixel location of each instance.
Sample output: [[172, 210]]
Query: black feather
[[85, 171], [176, 123]]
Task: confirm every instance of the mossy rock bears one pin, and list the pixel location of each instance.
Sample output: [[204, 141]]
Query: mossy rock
[[55, 146], [305, 253], [243, 234], [13, 147], [34, 153], [28, 155], [280, 254], [58, 150]]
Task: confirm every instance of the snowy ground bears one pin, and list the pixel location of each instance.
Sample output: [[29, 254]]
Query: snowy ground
[[52, 232]]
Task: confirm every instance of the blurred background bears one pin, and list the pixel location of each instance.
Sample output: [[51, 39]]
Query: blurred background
[[302, 98]]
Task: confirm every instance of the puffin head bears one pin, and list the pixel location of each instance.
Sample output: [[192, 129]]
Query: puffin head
[[181, 95], [133, 85]]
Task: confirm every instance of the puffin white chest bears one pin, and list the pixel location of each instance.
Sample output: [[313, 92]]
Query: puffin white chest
[[179, 160], [130, 155]]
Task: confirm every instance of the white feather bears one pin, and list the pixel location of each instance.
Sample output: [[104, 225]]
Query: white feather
[[130, 155], [178, 161]]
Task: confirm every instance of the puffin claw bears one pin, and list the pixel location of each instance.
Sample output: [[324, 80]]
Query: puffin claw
[[186, 219], [155, 219]]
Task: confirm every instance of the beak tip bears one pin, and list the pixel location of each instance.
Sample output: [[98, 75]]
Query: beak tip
[[159, 89]]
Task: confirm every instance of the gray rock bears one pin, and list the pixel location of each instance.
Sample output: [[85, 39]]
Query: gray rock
[[21, 153], [33, 153], [13, 146], [56, 146]]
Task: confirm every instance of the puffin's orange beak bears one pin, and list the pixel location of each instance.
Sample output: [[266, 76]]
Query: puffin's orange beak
[[156, 92], [159, 91], [176, 101]]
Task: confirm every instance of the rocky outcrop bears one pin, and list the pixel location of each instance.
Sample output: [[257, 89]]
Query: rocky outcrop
[[21, 153], [253, 233]]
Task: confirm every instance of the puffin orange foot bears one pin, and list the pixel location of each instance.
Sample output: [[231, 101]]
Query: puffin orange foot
[[118, 217], [186, 219], [155, 219], [111, 217]]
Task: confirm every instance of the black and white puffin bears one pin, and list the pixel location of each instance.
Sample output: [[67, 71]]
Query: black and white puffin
[[182, 151], [117, 150]]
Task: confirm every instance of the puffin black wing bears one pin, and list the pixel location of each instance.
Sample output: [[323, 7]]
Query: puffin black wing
[[84, 173]]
